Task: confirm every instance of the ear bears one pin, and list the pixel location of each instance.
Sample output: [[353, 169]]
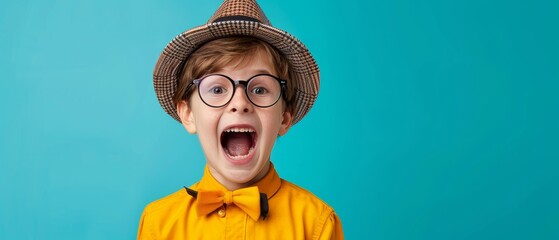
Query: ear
[[285, 123], [186, 116]]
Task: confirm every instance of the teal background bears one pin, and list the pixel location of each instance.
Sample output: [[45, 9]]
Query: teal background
[[435, 120]]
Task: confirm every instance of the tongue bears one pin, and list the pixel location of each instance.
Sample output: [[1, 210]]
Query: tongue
[[238, 144]]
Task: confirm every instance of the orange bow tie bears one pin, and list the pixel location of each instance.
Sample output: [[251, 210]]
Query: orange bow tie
[[250, 200]]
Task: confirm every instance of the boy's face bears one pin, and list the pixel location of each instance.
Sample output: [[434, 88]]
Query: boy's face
[[237, 138]]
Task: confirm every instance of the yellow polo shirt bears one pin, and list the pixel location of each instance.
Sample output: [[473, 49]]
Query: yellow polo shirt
[[294, 213]]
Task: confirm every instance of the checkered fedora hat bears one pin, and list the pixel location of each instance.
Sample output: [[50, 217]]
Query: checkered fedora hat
[[238, 18]]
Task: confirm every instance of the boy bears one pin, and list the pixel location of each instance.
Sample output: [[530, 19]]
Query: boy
[[238, 83]]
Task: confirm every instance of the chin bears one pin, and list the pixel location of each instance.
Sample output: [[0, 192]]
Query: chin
[[244, 174]]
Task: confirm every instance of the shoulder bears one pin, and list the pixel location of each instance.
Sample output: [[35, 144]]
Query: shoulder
[[297, 191], [294, 207], [298, 197], [169, 203], [163, 213]]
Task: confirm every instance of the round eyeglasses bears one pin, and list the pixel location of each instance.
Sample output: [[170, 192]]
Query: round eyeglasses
[[217, 90]]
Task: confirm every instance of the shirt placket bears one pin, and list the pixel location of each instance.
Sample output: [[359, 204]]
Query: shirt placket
[[235, 222]]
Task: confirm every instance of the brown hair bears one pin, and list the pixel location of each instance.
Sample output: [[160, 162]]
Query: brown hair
[[218, 53]]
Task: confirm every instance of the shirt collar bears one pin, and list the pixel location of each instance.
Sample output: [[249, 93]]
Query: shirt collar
[[269, 184]]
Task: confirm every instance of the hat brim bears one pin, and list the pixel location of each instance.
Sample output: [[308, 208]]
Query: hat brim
[[303, 67]]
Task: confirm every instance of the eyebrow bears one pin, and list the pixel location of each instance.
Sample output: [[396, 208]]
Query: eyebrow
[[261, 71]]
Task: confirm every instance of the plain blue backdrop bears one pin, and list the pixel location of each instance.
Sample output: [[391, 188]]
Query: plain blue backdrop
[[435, 120]]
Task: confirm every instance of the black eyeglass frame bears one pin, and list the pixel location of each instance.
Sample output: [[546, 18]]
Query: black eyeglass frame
[[283, 87]]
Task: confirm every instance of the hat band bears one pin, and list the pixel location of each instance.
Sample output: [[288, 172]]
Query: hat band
[[236, 18]]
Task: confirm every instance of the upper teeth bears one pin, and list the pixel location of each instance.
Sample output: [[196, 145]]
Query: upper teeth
[[239, 130]]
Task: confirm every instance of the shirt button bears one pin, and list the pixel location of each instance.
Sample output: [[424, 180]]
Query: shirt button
[[221, 212]]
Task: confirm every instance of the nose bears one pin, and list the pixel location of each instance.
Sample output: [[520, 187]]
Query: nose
[[240, 102]]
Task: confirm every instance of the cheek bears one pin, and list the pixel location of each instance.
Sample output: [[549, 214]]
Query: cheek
[[206, 123], [272, 123]]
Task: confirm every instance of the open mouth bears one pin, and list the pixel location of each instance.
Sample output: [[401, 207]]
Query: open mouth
[[238, 143]]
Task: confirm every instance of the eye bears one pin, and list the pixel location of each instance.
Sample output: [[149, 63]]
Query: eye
[[259, 90], [217, 90]]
